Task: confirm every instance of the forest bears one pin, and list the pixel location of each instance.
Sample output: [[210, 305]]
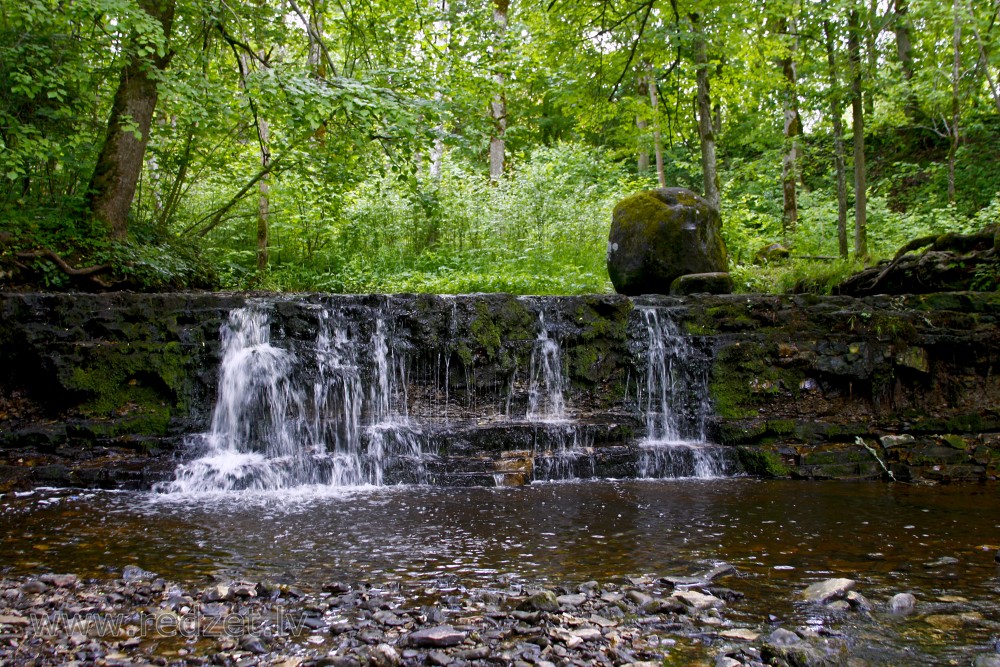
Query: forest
[[452, 146]]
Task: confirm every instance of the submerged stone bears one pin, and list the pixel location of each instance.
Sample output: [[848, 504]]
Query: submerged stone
[[823, 591]]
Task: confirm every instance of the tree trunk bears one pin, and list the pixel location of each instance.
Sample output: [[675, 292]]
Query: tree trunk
[[858, 113], [654, 103], [836, 115], [983, 59], [119, 164], [956, 74], [705, 130], [498, 107], [871, 55], [792, 130], [441, 31], [904, 50], [640, 123], [263, 187]]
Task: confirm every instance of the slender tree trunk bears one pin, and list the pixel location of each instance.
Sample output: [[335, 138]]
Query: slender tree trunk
[[263, 185], [705, 130], [441, 29], [654, 103], [836, 115], [956, 74], [119, 164], [904, 50], [983, 59], [717, 107], [498, 107], [792, 130], [871, 55], [315, 60], [858, 113], [641, 124]]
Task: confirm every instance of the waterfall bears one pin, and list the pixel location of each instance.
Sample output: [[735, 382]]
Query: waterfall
[[284, 419], [545, 393], [674, 398]]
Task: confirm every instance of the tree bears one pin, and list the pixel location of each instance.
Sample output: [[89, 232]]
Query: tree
[[706, 131], [858, 129], [836, 117], [498, 106], [792, 128], [119, 164]]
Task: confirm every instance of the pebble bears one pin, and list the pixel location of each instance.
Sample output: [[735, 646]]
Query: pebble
[[437, 637]]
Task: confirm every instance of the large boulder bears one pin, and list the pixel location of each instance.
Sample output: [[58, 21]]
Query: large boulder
[[658, 236]]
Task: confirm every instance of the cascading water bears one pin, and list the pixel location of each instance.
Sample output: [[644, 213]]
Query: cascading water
[[285, 419], [674, 398], [547, 408], [545, 394]]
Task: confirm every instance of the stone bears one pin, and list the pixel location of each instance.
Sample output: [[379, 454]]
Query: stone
[[638, 597], [771, 253], [783, 637], [33, 587], [437, 637], [659, 235], [384, 655], [740, 634], [702, 283], [540, 601], [572, 600], [136, 573], [941, 562], [60, 580], [902, 603], [696, 600], [986, 660], [824, 591], [858, 601], [726, 661]]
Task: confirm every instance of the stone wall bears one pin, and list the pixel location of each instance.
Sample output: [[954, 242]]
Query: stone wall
[[100, 390]]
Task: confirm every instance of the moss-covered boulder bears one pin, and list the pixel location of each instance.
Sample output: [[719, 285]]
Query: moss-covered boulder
[[659, 235]]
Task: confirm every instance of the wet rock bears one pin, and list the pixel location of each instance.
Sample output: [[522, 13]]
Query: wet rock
[[902, 603], [986, 660], [698, 601], [60, 580], [216, 593], [572, 600], [823, 591], [726, 661], [253, 644], [953, 621], [33, 587], [638, 597], [436, 637], [541, 601], [136, 573], [783, 637], [659, 235], [740, 634], [384, 655], [941, 562], [858, 601]]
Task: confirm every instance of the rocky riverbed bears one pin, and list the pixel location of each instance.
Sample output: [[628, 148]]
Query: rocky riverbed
[[139, 618]]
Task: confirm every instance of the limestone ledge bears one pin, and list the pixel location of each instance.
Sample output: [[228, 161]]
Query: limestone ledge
[[101, 389]]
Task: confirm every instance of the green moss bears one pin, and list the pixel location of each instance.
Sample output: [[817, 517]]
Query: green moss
[[743, 377], [762, 462], [138, 383], [485, 332], [955, 441]]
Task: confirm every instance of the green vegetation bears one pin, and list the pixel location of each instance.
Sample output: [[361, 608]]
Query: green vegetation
[[460, 147]]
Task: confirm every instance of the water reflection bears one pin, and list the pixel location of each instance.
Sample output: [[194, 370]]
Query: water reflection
[[780, 535]]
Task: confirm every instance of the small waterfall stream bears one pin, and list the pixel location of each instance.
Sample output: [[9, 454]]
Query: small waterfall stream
[[285, 419], [674, 399], [334, 410]]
